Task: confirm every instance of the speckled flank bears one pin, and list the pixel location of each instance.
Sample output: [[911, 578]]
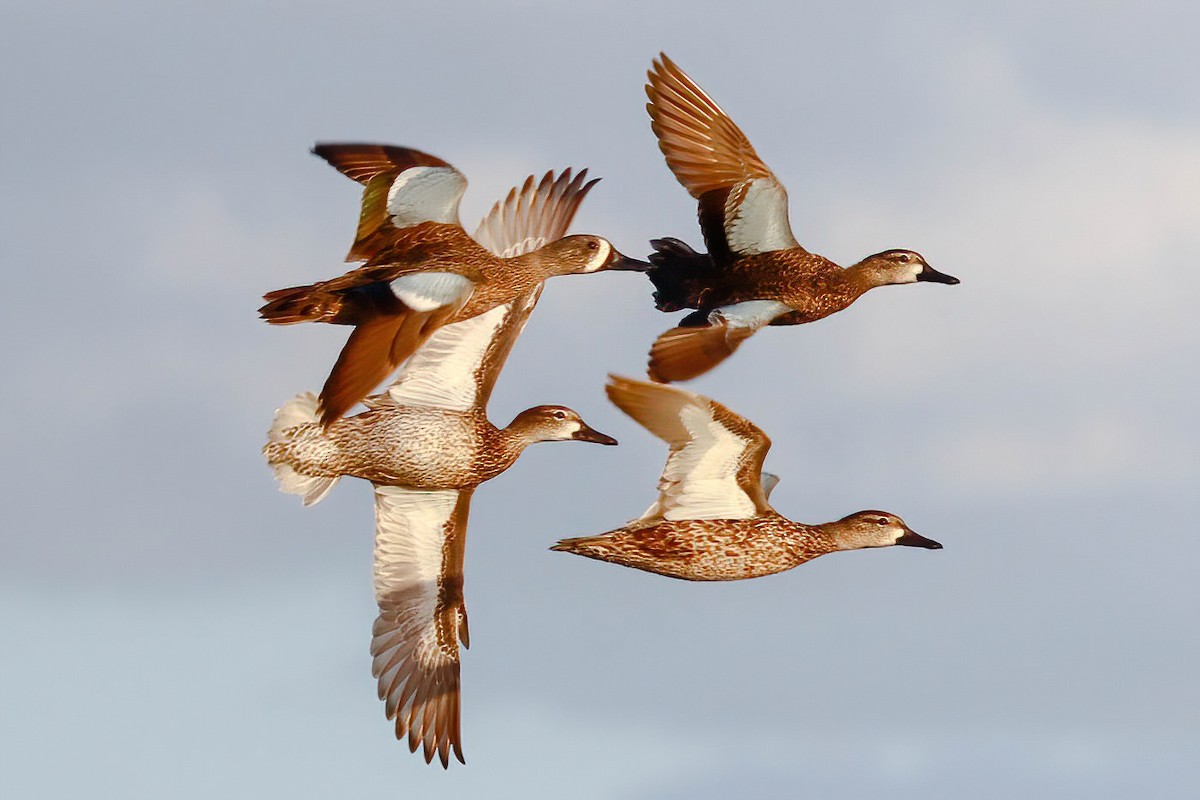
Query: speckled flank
[[707, 550], [423, 448], [810, 285]]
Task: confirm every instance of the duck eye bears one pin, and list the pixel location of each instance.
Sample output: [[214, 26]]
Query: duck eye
[[559, 415], [904, 259], [593, 245], [880, 521]]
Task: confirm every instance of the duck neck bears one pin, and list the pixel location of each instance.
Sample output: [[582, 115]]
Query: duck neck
[[863, 277], [544, 261], [809, 541], [845, 536], [512, 440]]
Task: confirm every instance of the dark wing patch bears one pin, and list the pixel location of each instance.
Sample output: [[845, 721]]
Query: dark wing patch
[[362, 161]]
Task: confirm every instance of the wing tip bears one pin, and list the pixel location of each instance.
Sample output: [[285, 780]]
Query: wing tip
[[684, 353], [437, 732], [361, 161]]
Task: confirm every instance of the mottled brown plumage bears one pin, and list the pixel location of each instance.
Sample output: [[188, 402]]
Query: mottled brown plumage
[[712, 520], [755, 272], [416, 446], [707, 550], [421, 270], [425, 444]]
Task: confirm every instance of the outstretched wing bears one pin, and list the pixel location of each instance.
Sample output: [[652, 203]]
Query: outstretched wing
[[420, 539], [457, 368], [535, 214], [714, 468], [743, 206], [402, 188], [417, 305], [686, 352]]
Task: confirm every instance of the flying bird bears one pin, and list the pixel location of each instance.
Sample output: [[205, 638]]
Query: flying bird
[[426, 443], [422, 270], [712, 520], [755, 273]]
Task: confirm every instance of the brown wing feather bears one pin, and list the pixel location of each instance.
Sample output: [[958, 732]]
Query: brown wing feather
[[362, 161], [659, 410], [704, 147], [526, 219], [416, 657], [430, 245], [362, 364], [376, 166], [681, 353], [749, 473], [533, 215], [375, 348], [374, 230]]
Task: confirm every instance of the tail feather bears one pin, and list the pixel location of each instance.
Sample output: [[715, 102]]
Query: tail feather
[[628, 549], [589, 546], [300, 304], [679, 274], [289, 420]]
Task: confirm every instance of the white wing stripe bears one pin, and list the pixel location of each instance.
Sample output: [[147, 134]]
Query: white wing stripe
[[426, 194], [759, 223], [753, 314], [426, 291], [443, 372], [700, 478], [410, 528]]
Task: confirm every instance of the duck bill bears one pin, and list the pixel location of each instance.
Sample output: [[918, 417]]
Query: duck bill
[[911, 538], [586, 434], [933, 276], [623, 262]]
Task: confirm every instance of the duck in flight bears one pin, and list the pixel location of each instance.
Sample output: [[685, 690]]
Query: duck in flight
[[426, 443], [422, 270], [712, 521], [755, 273]]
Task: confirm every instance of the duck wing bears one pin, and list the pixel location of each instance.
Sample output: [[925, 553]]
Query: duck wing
[[688, 351], [402, 188], [743, 207], [420, 540], [458, 366], [390, 329], [534, 214], [714, 468]]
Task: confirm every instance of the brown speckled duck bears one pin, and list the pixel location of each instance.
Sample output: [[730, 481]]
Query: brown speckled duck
[[712, 521], [422, 269], [755, 272], [425, 444]]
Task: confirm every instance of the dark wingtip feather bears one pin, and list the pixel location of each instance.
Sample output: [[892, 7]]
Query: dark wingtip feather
[[361, 161]]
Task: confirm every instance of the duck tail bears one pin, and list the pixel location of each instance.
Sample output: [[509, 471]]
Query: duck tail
[[581, 545], [601, 546], [679, 274], [300, 304], [297, 420]]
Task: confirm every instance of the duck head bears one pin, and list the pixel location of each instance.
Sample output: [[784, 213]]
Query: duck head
[[585, 253], [555, 424], [900, 266], [875, 529]]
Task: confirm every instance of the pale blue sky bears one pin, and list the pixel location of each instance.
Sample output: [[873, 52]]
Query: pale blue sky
[[175, 627]]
